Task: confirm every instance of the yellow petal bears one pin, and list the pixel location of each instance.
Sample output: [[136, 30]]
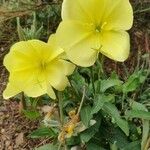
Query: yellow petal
[[52, 41], [65, 66], [35, 89], [45, 51], [83, 10], [71, 32], [26, 55], [31, 82], [10, 91], [51, 92], [20, 57], [56, 78], [79, 42], [118, 15], [115, 45], [84, 53]]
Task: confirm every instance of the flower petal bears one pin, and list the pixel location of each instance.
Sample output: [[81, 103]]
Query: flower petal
[[24, 55], [57, 79], [115, 45], [79, 42], [46, 51], [83, 10], [65, 66], [31, 82], [84, 53], [71, 32], [51, 92], [52, 41], [118, 15], [20, 57], [10, 91]]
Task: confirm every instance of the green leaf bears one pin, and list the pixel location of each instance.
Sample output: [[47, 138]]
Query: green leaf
[[106, 84], [145, 134], [113, 134], [31, 114], [138, 106], [48, 147], [132, 146], [138, 114], [78, 81], [113, 112], [113, 146], [74, 140], [85, 115], [134, 81], [93, 146], [123, 124], [42, 132], [86, 135], [99, 102]]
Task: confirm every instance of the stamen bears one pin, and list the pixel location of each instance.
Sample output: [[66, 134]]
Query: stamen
[[99, 28]]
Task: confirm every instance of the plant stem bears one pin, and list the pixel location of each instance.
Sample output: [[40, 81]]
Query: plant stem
[[126, 70], [123, 99], [74, 89], [23, 102], [60, 105], [59, 147], [92, 79], [65, 147], [100, 61], [82, 100], [142, 10]]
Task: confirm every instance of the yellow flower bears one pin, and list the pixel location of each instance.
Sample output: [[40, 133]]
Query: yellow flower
[[93, 26], [35, 67]]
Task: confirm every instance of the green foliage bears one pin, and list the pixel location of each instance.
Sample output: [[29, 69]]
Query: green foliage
[[31, 114], [42, 132], [86, 115], [47, 147]]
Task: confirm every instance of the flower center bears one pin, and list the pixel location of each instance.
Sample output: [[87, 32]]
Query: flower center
[[43, 66], [100, 27]]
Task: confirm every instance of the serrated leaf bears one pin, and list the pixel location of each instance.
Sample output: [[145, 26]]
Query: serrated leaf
[[78, 81], [138, 106], [47, 147], [85, 115], [42, 132], [93, 146], [31, 114], [113, 134], [134, 81], [132, 146], [106, 84], [113, 112], [138, 114], [145, 133], [86, 135], [123, 124], [99, 102], [113, 146]]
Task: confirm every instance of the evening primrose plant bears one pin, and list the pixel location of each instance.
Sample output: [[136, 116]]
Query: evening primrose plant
[[81, 107]]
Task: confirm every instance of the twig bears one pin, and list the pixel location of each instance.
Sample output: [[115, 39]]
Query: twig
[[82, 100], [142, 10]]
